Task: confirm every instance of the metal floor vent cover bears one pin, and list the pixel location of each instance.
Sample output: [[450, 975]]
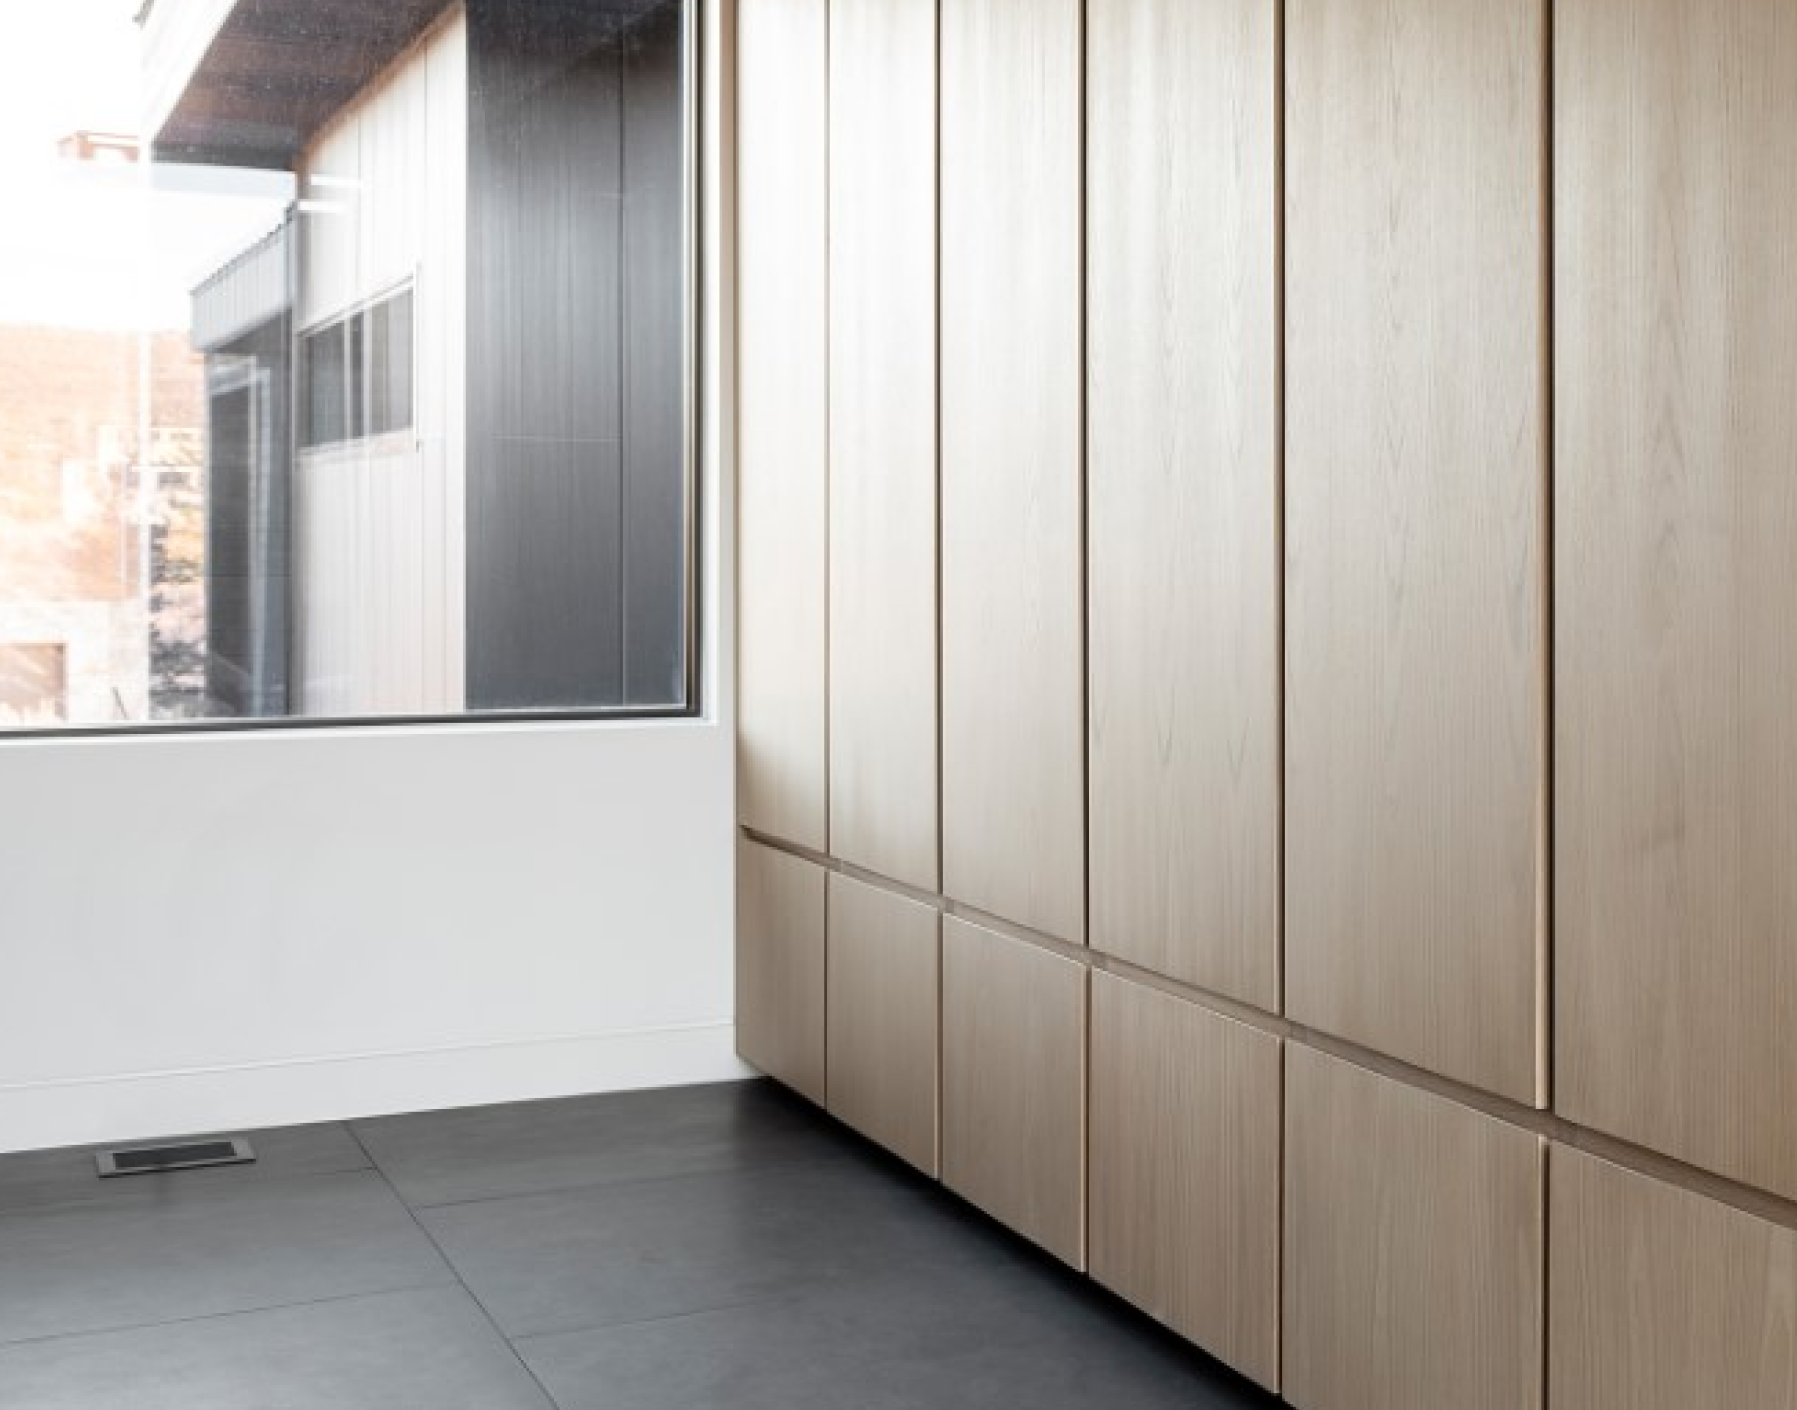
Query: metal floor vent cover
[[180, 1155]]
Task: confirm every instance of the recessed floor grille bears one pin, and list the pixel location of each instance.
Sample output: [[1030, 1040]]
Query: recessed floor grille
[[188, 1155]]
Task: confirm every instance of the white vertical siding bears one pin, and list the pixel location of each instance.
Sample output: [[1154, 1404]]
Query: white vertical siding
[[330, 215], [244, 294], [379, 542], [442, 348]]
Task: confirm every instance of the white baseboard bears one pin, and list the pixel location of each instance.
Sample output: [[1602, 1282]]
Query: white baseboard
[[140, 1106]]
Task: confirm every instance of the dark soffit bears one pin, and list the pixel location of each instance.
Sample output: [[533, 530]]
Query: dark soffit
[[278, 70]]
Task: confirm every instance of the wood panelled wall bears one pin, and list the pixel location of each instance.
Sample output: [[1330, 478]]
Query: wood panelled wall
[[1182, 476], [1676, 518], [1415, 494], [1013, 693], [882, 200], [783, 411], [1268, 534], [1184, 1133]]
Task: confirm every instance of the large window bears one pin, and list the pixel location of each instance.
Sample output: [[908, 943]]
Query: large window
[[359, 389]]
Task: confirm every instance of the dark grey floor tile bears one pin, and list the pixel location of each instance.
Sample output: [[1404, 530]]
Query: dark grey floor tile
[[534, 1147], [39, 1178], [623, 1253], [430, 1350], [725, 1246], [78, 1268], [931, 1341]]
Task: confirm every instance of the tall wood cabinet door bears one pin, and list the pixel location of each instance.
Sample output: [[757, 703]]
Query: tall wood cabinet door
[[1013, 1084], [780, 966], [1662, 1299], [884, 999], [1676, 535], [1185, 1114], [782, 416], [1013, 673], [1414, 1230], [883, 760], [1182, 486], [1415, 504]]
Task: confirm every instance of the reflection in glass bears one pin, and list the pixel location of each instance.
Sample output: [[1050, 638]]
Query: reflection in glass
[[360, 388]]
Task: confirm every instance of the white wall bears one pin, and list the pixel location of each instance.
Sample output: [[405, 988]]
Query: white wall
[[227, 931]]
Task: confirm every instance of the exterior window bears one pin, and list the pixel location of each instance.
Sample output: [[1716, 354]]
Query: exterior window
[[358, 388], [359, 374], [326, 360], [390, 365]]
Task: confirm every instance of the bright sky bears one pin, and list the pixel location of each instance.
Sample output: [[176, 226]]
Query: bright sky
[[94, 246]]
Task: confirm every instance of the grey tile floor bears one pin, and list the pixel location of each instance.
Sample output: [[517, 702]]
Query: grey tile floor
[[721, 1246]]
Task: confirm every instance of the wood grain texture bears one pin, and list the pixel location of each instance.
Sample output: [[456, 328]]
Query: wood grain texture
[[1182, 490], [780, 966], [1415, 503], [884, 1030], [782, 417], [1013, 674], [1185, 1140], [1413, 1248], [883, 760], [1662, 1299], [1676, 537], [1013, 1084]]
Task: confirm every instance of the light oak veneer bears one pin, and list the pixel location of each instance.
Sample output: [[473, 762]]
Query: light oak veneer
[[1014, 1084], [1676, 584], [1416, 496], [1665, 1300], [1413, 1247], [1185, 1140], [1182, 488], [782, 417], [1013, 668], [883, 749], [780, 921], [884, 1035]]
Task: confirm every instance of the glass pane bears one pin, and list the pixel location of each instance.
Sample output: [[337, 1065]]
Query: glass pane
[[327, 388], [355, 364], [351, 385], [390, 365], [33, 683]]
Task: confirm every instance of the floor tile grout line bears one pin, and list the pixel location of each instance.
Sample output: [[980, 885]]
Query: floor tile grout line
[[633, 1322], [131, 1328], [456, 1273], [219, 1190], [845, 1158], [632, 1182]]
